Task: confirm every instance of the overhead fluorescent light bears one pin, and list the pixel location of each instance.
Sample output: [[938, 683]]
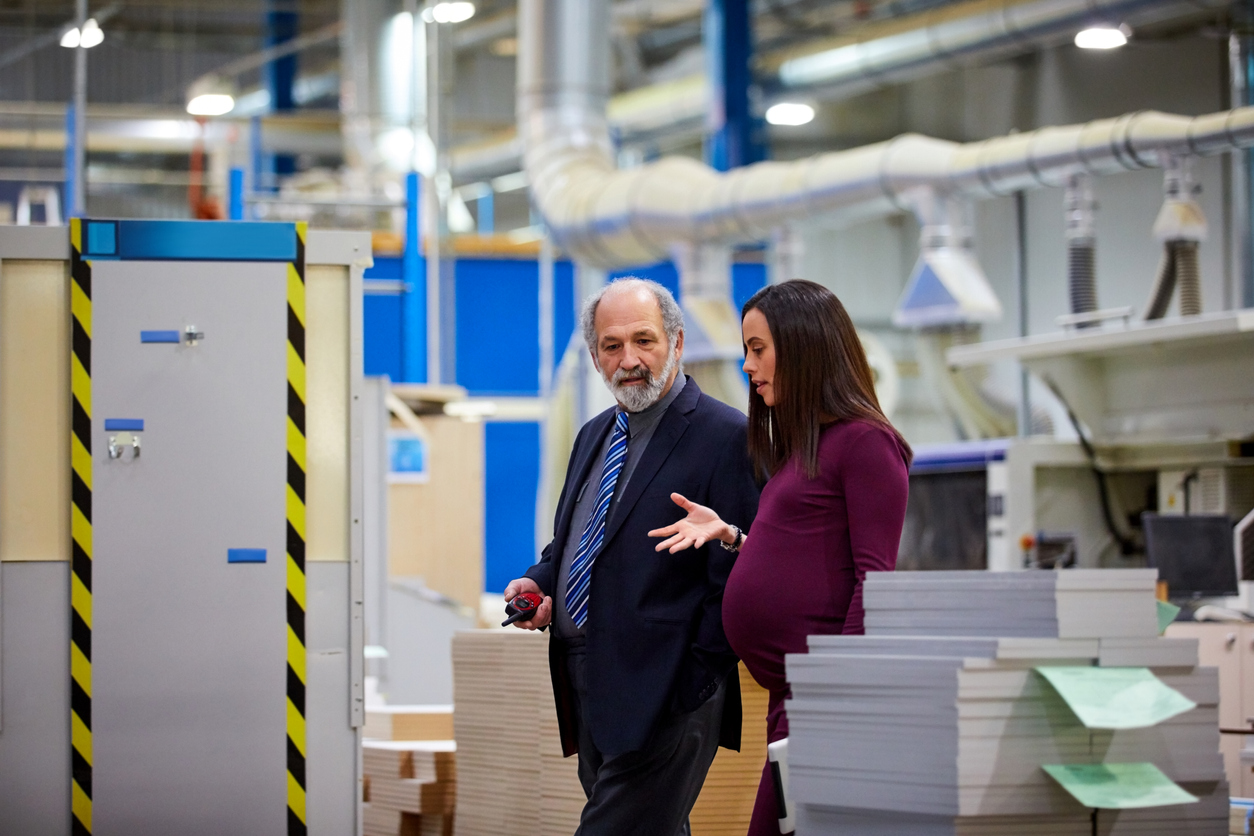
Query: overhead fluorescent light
[[211, 95], [789, 113], [211, 104], [449, 12], [1102, 37], [92, 35]]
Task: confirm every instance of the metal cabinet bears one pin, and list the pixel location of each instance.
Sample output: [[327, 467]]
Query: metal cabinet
[[209, 679], [1230, 648]]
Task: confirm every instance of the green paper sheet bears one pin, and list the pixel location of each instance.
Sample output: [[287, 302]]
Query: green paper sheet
[[1119, 786], [1166, 614], [1116, 698]]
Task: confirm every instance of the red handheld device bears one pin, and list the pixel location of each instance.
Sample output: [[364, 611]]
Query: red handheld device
[[523, 606]]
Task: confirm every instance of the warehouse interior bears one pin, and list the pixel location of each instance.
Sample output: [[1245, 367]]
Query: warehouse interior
[[1038, 213]]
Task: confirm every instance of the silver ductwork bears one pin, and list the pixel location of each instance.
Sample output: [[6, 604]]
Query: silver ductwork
[[977, 30], [609, 218]]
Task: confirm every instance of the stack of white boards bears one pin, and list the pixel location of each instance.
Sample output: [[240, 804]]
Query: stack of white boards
[[1073, 604], [943, 733], [511, 775], [410, 779]]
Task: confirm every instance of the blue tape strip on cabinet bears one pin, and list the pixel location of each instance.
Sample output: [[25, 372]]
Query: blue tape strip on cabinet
[[159, 336], [245, 555], [117, 425]]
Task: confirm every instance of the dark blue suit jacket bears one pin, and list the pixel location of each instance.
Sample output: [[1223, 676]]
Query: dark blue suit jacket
[[655, 640]]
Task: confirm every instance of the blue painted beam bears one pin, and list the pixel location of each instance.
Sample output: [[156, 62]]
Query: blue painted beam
[[414, 295], [735, 135]]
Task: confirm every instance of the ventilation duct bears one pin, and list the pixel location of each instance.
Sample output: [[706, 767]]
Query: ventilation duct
[[610, 218], [897, 52]]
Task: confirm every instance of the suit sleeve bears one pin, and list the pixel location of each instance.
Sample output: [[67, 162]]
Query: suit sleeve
[[876, 485], [733, 495], [544, 572]]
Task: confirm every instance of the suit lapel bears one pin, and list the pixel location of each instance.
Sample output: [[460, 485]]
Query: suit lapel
[[671, 428], [582, 463]]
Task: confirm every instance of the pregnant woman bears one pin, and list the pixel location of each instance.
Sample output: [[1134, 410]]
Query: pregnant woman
[[834, 501]]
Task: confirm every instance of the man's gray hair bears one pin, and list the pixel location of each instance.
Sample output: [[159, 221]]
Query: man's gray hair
[[672, 314]]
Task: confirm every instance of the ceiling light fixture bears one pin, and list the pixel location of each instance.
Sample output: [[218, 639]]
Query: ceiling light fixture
[[449, 12], [211, 96], [92, 35], [1102, 37], [211, 104], [789, 113]]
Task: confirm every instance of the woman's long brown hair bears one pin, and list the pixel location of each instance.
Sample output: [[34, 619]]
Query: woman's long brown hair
[[821, 374]]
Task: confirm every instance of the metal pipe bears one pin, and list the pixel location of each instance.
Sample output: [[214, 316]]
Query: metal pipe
[[892, 53], [1023, 414], [611, 218], [77, 199]]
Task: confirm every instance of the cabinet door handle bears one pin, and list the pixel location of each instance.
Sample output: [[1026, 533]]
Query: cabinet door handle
[[1230, 640]]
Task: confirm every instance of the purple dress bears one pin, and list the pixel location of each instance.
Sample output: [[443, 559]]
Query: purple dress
[[800, 572]]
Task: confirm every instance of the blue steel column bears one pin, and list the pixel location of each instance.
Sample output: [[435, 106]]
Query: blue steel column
[[280, 74], [70, 194], [414, 293], [734, 136]]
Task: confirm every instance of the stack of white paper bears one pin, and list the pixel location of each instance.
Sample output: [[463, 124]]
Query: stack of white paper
[[1075, 604], [947, 730]]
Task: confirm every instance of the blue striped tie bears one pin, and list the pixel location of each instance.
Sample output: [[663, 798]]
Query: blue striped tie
[[594, 532]]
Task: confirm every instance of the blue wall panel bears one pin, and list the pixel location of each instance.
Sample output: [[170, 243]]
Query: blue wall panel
[[498, 314], [511, 479], [382, 324], [564, 308], [747, 279], [381, 342], [498, 347]]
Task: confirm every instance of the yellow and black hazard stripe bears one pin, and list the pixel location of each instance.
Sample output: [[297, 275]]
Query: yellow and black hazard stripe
[[296, 822], [80, 533]]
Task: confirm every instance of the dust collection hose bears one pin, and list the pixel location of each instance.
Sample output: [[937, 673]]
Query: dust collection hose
[[1164, 283], [1179, 266], [1188, 277], [1081, 278]]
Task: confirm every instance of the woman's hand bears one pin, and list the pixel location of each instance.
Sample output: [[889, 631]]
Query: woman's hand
[[701, 526]]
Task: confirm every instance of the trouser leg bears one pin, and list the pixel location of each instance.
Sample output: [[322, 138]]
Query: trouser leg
[[649, 792]]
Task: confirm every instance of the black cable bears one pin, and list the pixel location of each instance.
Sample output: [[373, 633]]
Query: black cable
[[1189, 478], [1127, 545]]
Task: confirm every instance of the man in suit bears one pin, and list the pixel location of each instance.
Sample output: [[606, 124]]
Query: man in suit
[[643, 676]]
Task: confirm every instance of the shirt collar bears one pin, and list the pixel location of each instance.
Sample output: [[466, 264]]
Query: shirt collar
[[638, 422]]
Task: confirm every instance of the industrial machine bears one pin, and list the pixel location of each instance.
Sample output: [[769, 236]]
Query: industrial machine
[[180, 528]]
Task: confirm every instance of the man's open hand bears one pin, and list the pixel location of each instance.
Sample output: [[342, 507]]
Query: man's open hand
[[544, 613]]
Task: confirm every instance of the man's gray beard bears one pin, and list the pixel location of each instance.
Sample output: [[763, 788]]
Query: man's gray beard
[[640, 398]]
